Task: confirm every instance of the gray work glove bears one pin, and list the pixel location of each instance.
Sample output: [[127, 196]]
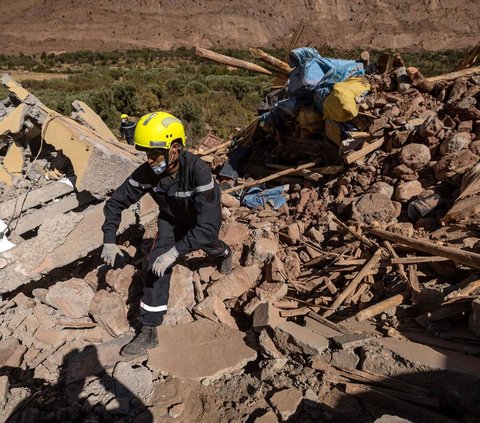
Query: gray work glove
[[163, 262], [110, 253]]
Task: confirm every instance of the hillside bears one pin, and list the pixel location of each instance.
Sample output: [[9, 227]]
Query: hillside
[[33, 26]]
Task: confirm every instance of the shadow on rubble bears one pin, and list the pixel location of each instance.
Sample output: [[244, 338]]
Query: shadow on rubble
[[85, 392]]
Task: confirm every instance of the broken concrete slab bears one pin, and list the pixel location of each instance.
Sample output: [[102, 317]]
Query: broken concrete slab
[[351, 340], [71, 298], [60, 241], [93, 360], [213, 351], [213, 308], [109, 311], [134, 381], [286, 402], [181, 296], [237, 283], [267, 315], [292, 338], [83, 113]]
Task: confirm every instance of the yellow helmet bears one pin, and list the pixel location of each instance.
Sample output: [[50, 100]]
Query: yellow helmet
[[123, 116], [158, 130]]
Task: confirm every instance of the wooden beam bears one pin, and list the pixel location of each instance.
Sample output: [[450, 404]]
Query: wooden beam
[[278, 64], [467, 258], [366, 149], [214, 149], [272, 177], [380, 307], [454, 75], [352, 286], [230, 61]]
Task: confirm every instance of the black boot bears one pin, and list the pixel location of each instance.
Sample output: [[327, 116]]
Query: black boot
[[145, 340], [225, 263]]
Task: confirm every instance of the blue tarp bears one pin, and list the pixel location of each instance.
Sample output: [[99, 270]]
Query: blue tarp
[[256, 197]]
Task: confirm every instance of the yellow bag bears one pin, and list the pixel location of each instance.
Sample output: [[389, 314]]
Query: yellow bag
[[340, 104]]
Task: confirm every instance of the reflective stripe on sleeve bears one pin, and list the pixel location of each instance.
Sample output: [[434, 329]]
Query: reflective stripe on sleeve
[[200, 188], [152, 308]]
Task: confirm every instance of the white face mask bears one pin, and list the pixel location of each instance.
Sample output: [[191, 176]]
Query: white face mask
[[160, 168]]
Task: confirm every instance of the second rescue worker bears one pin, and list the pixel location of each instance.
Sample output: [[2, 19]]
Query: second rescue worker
[[190, 215]]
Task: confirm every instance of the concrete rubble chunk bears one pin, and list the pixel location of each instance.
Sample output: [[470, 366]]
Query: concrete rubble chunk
[[392, 419], [134, 381], [286, 402], [213, 308], [371, 208], [181, 297], [382, 188], [120, 280], [237, 283], [219, 350], [235, 233], [268, 417], [267, 315], [407, 190], [93, 360], [60, 241], [455, 164], [108, 310], [415, 156], [263, 249], [351, 340], [72, 298], [268, 346], [4, 389], [83, 113], [292, 338], [455, 143], [230, 201], [11, 352]]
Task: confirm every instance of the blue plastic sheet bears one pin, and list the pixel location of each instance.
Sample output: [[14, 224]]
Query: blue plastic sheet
[[257, 198]]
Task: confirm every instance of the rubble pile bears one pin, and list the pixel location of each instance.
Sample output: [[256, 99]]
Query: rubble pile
[[354, 294]]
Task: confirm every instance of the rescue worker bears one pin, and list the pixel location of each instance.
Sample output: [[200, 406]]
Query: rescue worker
[[127, 128], [190, 215]]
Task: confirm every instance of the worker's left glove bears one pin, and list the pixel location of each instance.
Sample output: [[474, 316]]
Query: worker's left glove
[[163, 262]]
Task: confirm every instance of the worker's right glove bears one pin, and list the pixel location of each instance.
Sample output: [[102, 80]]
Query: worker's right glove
[[110, 253]]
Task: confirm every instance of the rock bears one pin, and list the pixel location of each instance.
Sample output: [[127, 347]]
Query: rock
[[456, 142], [235, 233], [382, 188], [267, 315], [316, 235], [4, 388], [205, 273], [230, 201], [263, 249], [51, 336], [455, 164], [391, 419], [268, 346], [292, 338], [181, 296], [176, 410], [415, 156], [108, 310], [120, 280], [72, 298], [286, 402], [474, 320], [293, 233], [11, 352], [275, 271], [344, 407], [214, 350], [268, 417], [237, 283], [474, 147], [402, 228], [371, 208], [431, 127], [213, 308], [134, 382], [407, 190], [93, 360], [345, 359]]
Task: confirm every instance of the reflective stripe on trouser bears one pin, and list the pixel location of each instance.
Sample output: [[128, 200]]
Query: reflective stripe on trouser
[[153, 305]]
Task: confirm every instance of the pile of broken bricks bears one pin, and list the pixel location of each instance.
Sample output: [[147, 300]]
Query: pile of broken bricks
[[356, 300]]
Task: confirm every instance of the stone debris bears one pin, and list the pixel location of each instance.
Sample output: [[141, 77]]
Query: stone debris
[[379, 227]]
